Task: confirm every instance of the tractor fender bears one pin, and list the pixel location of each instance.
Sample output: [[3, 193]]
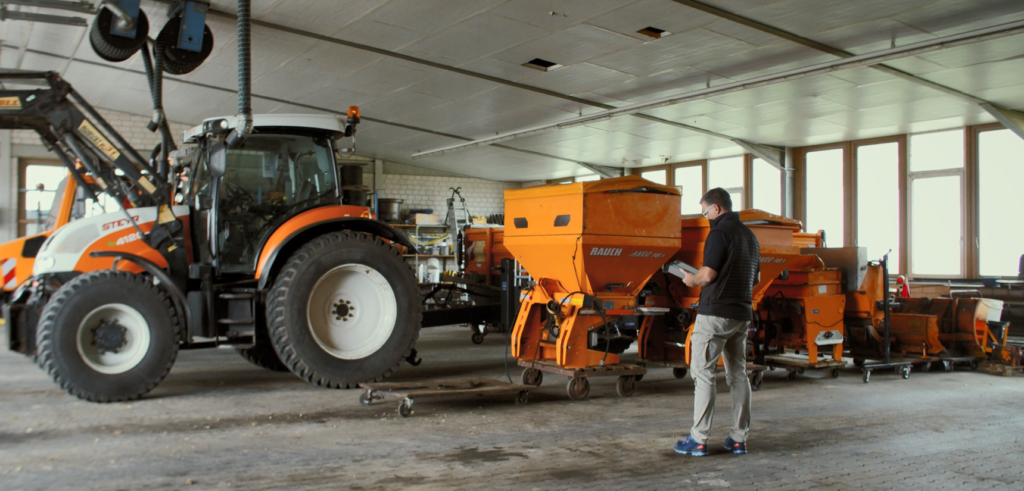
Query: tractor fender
[[290, 236]]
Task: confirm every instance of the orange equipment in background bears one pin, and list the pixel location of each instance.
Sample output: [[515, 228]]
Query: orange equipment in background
[[798, 301], [591, 247], [485, 248]]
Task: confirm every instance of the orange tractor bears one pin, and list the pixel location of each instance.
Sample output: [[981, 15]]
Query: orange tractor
[[244, 241]]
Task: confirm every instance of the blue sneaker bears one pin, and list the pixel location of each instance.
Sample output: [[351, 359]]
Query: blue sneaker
[[689, 446], [735, 446]]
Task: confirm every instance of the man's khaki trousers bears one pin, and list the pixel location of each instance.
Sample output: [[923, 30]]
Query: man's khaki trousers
[[712, 337]]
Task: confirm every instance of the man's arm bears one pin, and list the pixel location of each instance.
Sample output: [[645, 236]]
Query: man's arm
[[703, 277], [715, 251]]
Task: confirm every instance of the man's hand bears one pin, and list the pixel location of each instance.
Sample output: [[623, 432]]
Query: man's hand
[[689, 280], [703, 277]]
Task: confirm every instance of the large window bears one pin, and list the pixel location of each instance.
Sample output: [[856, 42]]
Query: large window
[[1000, 202], [728, 174], [935, 176], [40, 182], [878, 201], [690, 180], [659, 176], [767, 187], [824, 179]]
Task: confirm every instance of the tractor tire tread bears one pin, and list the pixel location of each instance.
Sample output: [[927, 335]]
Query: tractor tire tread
[[276, 311], [47, 323]]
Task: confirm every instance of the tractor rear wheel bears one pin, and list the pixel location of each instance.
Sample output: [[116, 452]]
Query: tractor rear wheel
[[263, 356], [345, 309], [108, 336]]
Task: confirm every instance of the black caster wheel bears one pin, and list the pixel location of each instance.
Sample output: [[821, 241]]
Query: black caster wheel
[[926, 367], [834, 373], [756, 379], [625, 386], [974, 364], [522, 397], [578, 388], [791, 375], [858, 362], [679, 372], [478, 338], [639, 377], [532, 376], [366, 398], [905, 372], [867, 376], [405, 408], [947, 366]]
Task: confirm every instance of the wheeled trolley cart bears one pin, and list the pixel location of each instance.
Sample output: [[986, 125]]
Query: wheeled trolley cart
[[796, 364], [407, 392], [755, 372], [579, 386]]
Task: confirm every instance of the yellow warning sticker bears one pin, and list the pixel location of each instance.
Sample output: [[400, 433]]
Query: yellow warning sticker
[[13, 102], [96, 138], [165, 214], [148, 186]]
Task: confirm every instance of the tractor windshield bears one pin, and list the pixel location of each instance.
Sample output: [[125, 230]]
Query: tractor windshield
[[269, 179]]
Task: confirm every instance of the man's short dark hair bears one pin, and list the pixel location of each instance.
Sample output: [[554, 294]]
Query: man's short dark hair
[[718, 196]]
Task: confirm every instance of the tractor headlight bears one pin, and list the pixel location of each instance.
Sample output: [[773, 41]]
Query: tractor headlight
[[44, 263]]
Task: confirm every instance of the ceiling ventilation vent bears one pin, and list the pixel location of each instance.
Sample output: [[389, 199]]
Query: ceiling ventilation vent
[[653, 32], [542, 65]]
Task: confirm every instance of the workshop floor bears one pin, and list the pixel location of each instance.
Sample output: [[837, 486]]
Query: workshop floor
[[219, 422]]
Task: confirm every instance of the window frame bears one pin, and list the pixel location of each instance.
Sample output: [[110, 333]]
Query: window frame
[[800, 182], [972, 197], [23, 164], [961, 172], [902, 183]]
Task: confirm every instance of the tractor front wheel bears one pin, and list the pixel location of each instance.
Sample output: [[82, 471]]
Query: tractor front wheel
[[108, 336]]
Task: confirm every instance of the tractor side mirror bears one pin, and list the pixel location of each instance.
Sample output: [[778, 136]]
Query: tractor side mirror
[[218, 160]]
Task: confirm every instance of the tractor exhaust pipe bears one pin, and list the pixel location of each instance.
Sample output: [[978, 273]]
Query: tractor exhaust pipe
[[245, 123]]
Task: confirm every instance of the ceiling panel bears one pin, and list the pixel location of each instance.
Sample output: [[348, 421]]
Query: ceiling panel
[[657, 85], [678, 50], [448, 115], [378, 35], [573, 45], [319, 16], [400, 103], [578, 78], [384, 77], [956, 16], [462, 43], [1007, 48], [553, 14], [427, 16]]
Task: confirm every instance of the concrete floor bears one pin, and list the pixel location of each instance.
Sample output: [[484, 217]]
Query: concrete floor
[[218, 422]]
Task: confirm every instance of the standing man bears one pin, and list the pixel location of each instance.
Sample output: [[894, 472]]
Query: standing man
[[732, 265]]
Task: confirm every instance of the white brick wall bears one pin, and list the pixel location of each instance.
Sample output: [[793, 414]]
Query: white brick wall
[[130, 126], [483, 197]]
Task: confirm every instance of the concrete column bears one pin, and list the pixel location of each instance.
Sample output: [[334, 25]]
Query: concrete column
[[9, 190], [788, 184]]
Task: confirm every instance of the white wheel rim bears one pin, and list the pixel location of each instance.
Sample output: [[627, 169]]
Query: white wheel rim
[[352, 311], [136, 339]]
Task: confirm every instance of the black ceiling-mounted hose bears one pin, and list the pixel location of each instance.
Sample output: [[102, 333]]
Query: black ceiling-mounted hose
[[116, 48], [244, 26]]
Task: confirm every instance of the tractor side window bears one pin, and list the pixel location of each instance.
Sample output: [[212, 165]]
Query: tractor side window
[[269, 179]]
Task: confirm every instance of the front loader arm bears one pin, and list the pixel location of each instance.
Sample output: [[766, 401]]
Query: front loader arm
[[73, 129]]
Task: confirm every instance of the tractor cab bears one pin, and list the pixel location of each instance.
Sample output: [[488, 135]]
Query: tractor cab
[[285, 167]]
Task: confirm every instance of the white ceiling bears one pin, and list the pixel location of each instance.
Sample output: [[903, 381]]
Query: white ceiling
[[605, 61]]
